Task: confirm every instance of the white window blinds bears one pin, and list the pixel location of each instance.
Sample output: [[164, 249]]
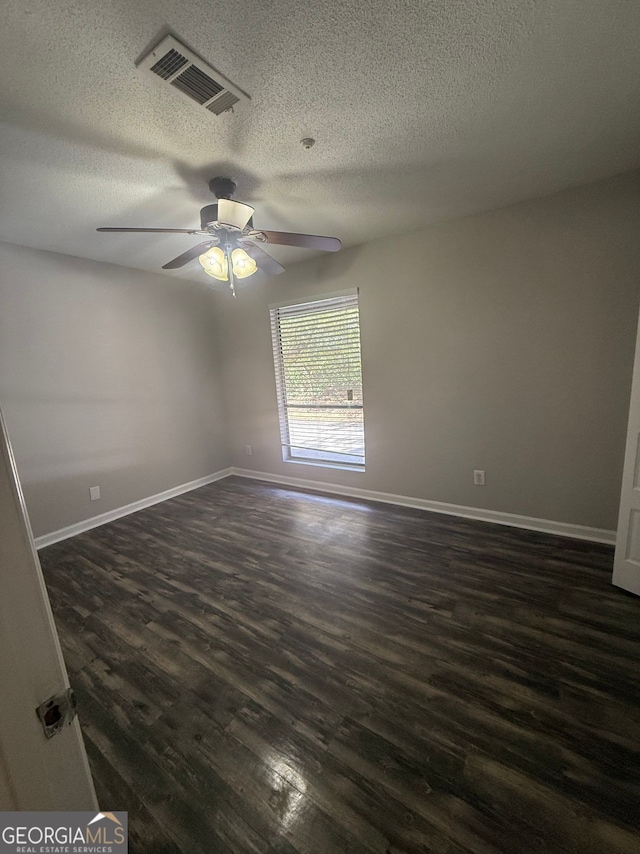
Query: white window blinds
[[316, 353]]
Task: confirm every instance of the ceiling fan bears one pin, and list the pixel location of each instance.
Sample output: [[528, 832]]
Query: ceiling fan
[[231, 249]]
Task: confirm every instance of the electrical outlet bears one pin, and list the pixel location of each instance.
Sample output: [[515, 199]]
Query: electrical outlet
[[248, 449], [478, 477], [94, 493]]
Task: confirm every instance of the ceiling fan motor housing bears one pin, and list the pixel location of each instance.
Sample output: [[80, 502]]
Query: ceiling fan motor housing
[[209, 214]]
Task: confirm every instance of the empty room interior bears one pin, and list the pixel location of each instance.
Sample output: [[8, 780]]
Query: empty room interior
[[320, 493]]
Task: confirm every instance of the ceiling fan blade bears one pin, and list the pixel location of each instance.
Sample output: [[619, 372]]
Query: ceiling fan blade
[[189, 255], [234, 213], [309, 241], [266, 263], [161, 230]]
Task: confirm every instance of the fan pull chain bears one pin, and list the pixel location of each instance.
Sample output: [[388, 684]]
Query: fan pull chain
[[232, 281]]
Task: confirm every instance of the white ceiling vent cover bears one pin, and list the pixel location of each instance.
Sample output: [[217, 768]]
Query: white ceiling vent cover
[[175, 64]]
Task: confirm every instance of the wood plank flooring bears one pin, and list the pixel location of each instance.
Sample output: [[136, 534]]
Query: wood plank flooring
[[270, 671]]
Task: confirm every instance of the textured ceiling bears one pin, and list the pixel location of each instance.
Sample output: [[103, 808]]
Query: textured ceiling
[[422, 110]]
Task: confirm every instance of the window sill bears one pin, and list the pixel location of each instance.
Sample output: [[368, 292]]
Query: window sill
[[339, 466]]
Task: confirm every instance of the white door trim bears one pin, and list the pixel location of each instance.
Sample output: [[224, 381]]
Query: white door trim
[[36, 773], [626, 564]]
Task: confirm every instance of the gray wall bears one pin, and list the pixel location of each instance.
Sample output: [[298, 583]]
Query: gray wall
[[109, 377], [502, 341]]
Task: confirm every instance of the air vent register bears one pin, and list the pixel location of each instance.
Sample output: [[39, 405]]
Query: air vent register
[[176, 65]]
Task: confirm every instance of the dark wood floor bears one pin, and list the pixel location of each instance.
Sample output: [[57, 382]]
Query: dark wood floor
[[265, 670]]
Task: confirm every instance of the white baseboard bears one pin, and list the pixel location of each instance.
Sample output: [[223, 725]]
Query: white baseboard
[[119, 512], [562, 529]]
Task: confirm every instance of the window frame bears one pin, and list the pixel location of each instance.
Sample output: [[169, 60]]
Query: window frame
[[281, 392]]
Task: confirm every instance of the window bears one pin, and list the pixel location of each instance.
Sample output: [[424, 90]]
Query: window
[[316, 352]]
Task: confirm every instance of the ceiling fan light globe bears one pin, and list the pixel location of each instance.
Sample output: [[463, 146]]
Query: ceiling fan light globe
[[214, 263], [243, 264]]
